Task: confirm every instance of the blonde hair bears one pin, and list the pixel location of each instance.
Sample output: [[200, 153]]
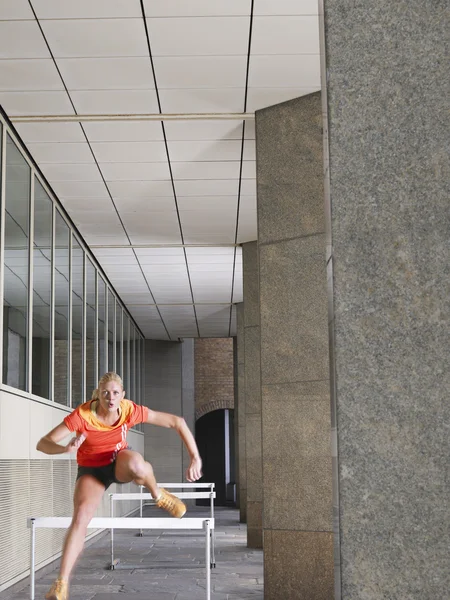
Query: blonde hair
[[106, 378]]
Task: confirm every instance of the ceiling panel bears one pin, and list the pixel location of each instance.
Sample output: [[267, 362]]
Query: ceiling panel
[[50, 152], [197, 150], [213, 320], [50, 132], [81, 189], [23, 75], [129, 152], [160, 256], [202, 100], [200, 71], [70, 172], [74, 38], [196, 8], [262, 97], [180, 320], [21, 39], [204, 36], [145, 171], [211, 187], [203, 130], [249, 169], [286, 7], [16, 9], [206, 170], [153, 228], [36, 103], [144, 205], [140, 189], [284, 71], [106, 73], [205, 203], [124, 131], [233, 322], [115, 102], [278, 35], [55, 9]]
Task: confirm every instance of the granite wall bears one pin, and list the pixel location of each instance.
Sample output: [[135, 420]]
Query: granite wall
[[387, 73], [296, 449]]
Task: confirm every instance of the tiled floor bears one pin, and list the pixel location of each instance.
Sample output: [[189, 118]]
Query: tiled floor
[[165, 565]]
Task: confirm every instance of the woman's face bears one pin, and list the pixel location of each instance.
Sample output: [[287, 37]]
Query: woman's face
[[110, 394]]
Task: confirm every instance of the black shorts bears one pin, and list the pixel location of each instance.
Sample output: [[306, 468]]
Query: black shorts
[[106, 474]]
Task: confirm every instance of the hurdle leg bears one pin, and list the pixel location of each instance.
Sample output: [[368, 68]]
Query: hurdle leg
[[32, 560], [140, 534], [213, 552], [208, 558], [114, 562]]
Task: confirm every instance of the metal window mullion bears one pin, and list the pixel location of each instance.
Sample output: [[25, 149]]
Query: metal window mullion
[[2, 240], [114, 334], [121, 341], [106, 326], [52, 307], [29, 343], [96, 328], [70, 324], [129, 357], [83, 332]]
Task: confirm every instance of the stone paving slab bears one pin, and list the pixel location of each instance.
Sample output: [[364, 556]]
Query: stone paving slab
[[164, 565]]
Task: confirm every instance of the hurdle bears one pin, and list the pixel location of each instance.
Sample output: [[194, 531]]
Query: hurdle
[[204, 524], [182, 495]]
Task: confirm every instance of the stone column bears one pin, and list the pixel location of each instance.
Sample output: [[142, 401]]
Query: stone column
[[387, 100], [240, 412], [252, 382], [296, 448]]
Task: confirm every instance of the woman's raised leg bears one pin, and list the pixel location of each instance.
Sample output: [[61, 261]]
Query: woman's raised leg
[[130, 466]]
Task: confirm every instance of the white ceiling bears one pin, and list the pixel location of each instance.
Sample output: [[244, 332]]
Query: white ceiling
[[163, 206]]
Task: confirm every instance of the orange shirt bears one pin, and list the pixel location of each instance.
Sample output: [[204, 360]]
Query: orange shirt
[[103, 442]]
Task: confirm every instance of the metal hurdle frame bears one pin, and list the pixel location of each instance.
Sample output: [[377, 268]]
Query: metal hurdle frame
[[182, 495], [206, 524]]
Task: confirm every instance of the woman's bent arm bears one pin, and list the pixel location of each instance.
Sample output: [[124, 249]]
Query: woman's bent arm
[[49, 443]]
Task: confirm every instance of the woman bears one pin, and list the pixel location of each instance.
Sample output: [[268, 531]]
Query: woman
[[103, 458]]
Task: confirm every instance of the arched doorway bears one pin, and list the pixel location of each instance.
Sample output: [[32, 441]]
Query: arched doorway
[[214, 433]]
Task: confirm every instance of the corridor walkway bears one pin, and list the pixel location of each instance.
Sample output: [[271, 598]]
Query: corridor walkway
[[165, 565]]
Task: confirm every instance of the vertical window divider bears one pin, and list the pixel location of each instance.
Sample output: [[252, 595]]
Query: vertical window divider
[[2, 240], [83, 333], [114, 335], [52, 308], [121, 342], [69, 349], [95, 329], [29, 345], [106, 328]]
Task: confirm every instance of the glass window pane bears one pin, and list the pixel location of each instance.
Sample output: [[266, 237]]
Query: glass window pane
[[90, 330], [77, 323], [42, 291], [126, 356], [119, 365], [16, 267], [101, 327], [62, 292], [111, 323]]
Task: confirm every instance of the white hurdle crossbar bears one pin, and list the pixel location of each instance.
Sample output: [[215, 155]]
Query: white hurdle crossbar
[[206, 524], [182, 495]]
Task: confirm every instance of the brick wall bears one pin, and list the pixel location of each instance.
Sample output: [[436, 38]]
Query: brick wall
[[214, 375]]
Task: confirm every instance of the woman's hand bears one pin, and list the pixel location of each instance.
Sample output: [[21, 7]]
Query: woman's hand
[[194, 471], [75, 443]]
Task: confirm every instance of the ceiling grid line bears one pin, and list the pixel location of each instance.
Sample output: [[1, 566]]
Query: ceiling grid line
[[242, 161], [95, 159], [169, 164]]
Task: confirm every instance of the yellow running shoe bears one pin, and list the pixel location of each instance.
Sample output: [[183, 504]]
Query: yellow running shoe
[[171, 503], [59, 590]]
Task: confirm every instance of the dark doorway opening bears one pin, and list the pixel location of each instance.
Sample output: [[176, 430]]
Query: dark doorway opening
[[214, 433]]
